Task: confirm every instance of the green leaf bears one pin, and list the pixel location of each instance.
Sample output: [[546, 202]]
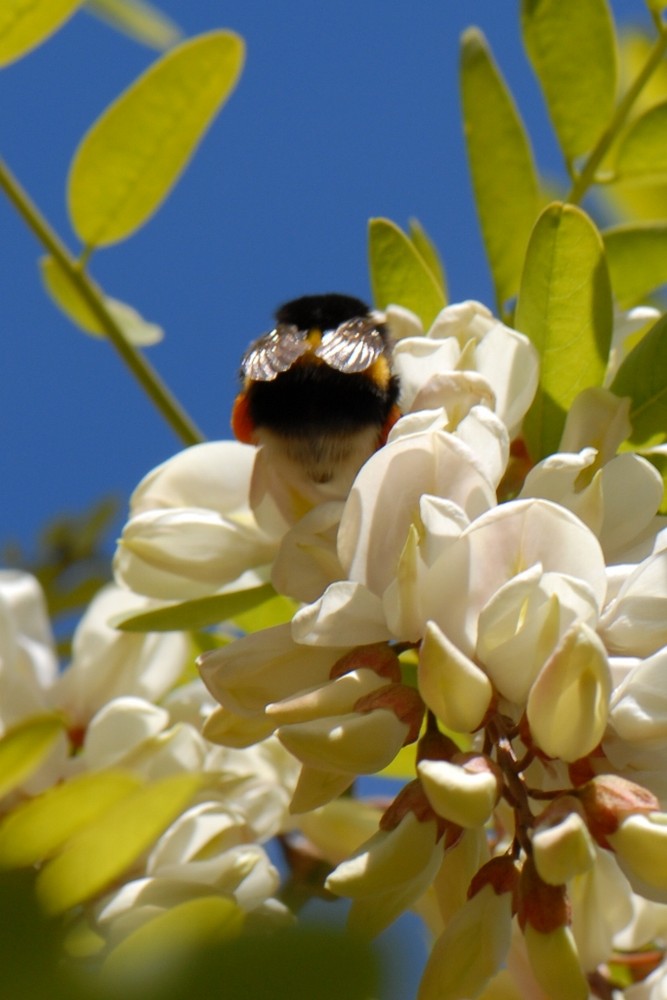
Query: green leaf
[[642, 378], [23, 26], [276, 610], [24, 747], [171, 937], [38, 828], [199, 613], [642, 151], [400, 275], [501, 164], [425, 246], [106, 848], [565, 308], [572, 47], [65, 294], [127, 163], [139, 20], [637, 258]]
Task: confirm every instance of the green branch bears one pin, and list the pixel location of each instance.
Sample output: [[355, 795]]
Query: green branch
[[587, 176], [142, 370]]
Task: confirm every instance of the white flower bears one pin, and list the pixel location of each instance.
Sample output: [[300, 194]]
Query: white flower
[[107, 663], [191, 531]]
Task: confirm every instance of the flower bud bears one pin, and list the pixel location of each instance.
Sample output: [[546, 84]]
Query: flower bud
[[555, 963], [568, 703], [453, 687], [464, 790], [562, 845], [640, 843], [544, 918], [471, 949]]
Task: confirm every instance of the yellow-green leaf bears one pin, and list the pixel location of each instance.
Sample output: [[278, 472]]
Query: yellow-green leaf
[[501, 164], [127, 163], [65, 294], [105, 849], [39, 827], [428, 251], [170, 938], [637, 258], [400, 275], [24, 747], [572, 47], [139, 20], [198, 613], [565, 308], [642, 378], [642, 151], [24, 25]]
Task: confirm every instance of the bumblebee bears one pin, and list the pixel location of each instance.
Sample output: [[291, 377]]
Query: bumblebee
[[318, 390]]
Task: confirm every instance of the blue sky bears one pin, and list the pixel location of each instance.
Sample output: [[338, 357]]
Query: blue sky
[[345, 111]]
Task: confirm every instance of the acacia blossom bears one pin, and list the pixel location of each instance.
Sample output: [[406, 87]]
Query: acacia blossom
[[534, 630]]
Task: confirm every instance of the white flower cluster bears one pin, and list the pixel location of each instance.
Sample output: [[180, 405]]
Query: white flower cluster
[[510, 621], [124, 711]]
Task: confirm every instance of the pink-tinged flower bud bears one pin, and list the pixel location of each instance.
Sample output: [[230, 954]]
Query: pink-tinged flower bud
[[464, 790], [562, 845], [403, 701], [640, 843], [453, 687], [609, 799], [378, 657], [568, 703]]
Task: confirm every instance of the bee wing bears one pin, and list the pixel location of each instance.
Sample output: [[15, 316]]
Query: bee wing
[[274, 353], [352, 347]]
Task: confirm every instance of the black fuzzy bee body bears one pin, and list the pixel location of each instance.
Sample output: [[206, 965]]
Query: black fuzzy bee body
[[318, 389]]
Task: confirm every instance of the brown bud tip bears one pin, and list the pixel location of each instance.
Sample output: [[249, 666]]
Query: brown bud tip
[[544, 907], [412, 799], [608, 799], [378, 657], [502, 874], [404, 702]]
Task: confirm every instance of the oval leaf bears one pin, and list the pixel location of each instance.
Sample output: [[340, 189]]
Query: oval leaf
[[637, 258], [643, 150], [38, 828], [572, 47], [400, 275], [65, 294], [106, 848], [565, 308], [425, 246], [199, 613], [23, 26], [170, 938], [642, 378], [132, 156], [501, 164], [139, 20], [24, 747]]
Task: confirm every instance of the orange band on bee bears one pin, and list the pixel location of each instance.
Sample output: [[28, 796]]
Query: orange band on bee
[[242, 424]]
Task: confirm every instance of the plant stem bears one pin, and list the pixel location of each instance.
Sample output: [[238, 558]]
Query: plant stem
[[142, 370], [587, 176]]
